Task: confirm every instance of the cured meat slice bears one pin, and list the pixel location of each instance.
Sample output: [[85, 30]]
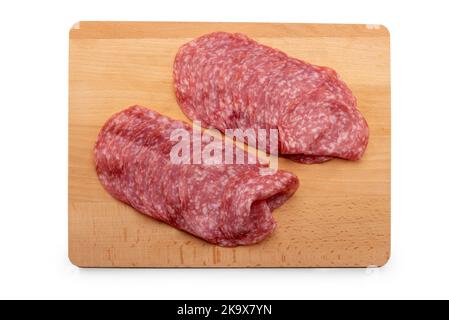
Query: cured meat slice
[[224, 204], [244, 84]]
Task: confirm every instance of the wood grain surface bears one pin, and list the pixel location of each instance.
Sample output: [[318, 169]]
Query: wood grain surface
[[340, 216]]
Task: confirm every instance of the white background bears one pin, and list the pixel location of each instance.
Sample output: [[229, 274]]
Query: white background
[[33, 162]]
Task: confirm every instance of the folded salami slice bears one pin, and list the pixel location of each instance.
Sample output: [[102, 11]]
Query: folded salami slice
[[224, 204], [229, 81]]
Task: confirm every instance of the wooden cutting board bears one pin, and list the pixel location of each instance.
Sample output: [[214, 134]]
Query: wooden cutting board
[[340, 216]]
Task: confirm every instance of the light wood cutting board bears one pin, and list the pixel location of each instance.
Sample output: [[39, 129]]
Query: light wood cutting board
[[340, 216]]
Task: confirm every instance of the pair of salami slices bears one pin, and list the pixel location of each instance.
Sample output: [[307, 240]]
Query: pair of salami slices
[[228, 81]]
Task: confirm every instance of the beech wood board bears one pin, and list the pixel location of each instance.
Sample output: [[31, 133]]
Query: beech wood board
[[340, 216]]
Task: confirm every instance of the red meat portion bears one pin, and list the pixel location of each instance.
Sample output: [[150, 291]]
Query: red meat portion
[[224, 204], [229, 81]]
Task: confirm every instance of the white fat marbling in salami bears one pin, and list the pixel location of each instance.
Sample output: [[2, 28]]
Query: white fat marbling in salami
[[224, 204], [230, 81]]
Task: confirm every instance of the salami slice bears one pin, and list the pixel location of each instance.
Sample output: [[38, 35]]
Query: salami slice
[[224, 204], [245, 84]]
